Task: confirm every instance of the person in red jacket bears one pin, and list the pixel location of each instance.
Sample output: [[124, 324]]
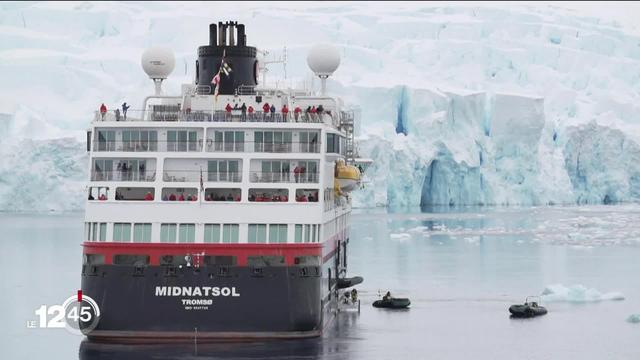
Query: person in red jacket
[[265, 111], [296, 112], [285, 112], [181, 198], [103, 111], [148, 197], [250, 111]]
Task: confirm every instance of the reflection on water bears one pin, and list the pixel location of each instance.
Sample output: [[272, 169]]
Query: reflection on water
[[461, 268], [335, 344]]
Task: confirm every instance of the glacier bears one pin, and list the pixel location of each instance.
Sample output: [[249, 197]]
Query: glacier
[[460, 104]]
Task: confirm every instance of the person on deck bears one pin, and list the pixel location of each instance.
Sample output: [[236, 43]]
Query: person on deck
[[296, 113], [387, 296], [125, 107], [273, 112], [250, 111], [148, 197], [313, 113], [285, 112], [181, 198], [103, 111], [172, 197], [243, 110], [265, 111]]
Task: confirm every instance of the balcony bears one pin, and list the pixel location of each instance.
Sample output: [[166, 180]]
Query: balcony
[[196, 175], [283, 177], [116, 175], [148, 146], [262, 147], [235, 115]]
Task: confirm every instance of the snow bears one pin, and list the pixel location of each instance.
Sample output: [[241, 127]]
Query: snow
[[577, 294], [461, 104]]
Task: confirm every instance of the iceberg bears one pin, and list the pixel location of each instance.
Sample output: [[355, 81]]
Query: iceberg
[[460, 104], [577, 294]]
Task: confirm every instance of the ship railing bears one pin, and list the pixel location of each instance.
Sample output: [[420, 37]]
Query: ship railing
[[120, 175], [283, 177], [262, 147], [148, 146], [211, 146], [235, 115], [196, 175]]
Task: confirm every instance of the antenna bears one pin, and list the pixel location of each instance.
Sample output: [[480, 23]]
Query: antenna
[[264, 63]]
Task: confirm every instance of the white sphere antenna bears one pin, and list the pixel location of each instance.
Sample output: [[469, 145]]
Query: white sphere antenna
[[323, 60], [158, 63]]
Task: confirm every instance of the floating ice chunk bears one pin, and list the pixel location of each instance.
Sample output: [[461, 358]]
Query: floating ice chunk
[[400, 236], [577, 294], [418, 229], [634, 318], [473, 240], [367, 238]]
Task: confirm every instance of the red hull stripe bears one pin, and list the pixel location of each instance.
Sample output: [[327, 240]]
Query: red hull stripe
[[241, 251]]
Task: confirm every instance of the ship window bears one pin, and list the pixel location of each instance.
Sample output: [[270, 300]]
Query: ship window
[[142, 233], [307, 195], [229, 141], [269, 195], [187, 233], [130, 170], [298, 233], [230, 233], [222, 194], [277, 233], [308, 172], [102, 170], [103, 232], [179, 194], [106, 140], [212, 233], [307, 260], [262, 261], [257, 233], [333, 143], [174, 260], [168, 233], [136, 260], [93, 259], [272, 171], [182, 140], [135, 193], [139, 140], [94, 231], [122, 232], [309, 141], [273, 141], [224, 170], [220, 260], [307, 233], [314, 233]]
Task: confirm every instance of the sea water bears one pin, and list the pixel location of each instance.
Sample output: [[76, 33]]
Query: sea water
[[461, 268]]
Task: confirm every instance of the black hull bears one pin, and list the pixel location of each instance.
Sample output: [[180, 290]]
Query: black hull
[[142, 304]]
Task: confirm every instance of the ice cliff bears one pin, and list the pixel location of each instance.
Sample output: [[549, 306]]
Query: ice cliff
[[460, 104]]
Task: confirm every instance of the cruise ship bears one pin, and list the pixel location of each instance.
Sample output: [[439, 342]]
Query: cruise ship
[[221, 212]]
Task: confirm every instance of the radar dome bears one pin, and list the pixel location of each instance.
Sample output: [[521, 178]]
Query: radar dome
[[158, 62], [323, 59]]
